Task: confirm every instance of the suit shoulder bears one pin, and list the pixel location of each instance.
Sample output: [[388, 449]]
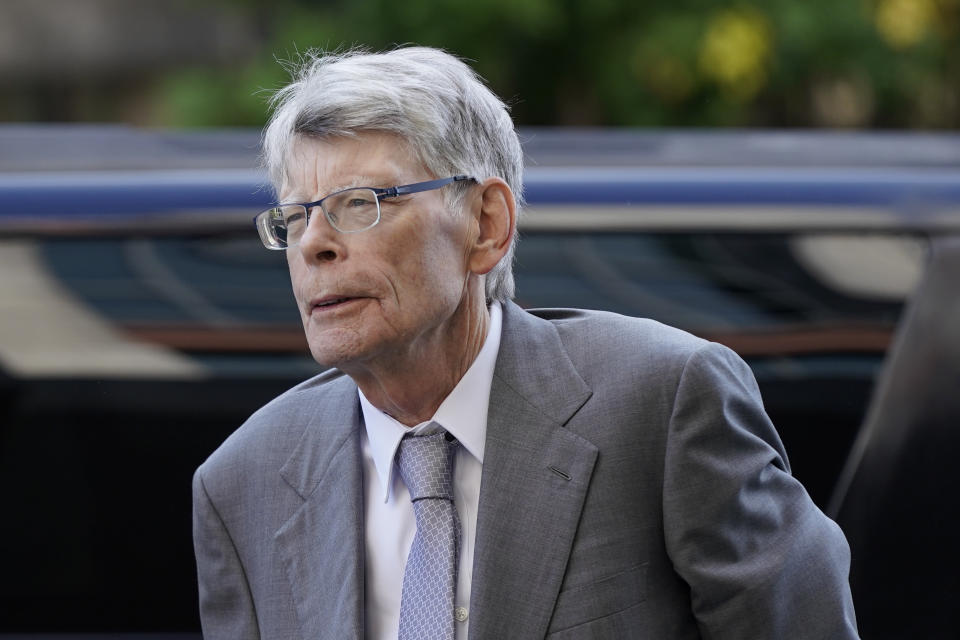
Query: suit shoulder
[[608, 349], [268, 436], [590, 334]]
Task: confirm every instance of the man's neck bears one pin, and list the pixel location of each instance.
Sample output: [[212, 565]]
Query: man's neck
[[410, 388]]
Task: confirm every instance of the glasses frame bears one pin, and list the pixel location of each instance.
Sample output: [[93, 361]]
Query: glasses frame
[[380, 192]]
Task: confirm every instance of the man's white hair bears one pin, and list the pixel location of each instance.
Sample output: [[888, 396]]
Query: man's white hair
[[453, 123]]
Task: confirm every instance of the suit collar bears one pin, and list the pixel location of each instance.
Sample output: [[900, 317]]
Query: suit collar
[[535, 478], [323, 555], [534, 363], [332, 417]]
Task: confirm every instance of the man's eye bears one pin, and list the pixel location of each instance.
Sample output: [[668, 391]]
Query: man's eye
[[359, 202], [293, 218]]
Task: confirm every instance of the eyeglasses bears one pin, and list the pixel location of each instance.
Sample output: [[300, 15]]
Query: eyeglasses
[[347, 211]]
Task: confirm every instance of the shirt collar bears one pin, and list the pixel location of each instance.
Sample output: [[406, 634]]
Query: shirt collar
[[463, 413]]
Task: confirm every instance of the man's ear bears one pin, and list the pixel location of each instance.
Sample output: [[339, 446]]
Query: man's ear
[[495, 209]]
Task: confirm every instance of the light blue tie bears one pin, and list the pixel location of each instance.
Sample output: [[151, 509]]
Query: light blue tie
[[430, 578]]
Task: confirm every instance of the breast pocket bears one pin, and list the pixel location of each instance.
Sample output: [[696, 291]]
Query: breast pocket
[[606, 597]]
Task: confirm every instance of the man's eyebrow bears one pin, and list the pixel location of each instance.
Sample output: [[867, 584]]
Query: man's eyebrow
[[358, 181], [369, 181], [290, 198]]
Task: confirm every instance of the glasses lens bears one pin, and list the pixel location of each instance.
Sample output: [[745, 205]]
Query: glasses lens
[[292, 221], [352, 209], [282, 227]]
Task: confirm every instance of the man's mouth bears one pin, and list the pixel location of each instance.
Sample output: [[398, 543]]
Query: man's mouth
[[330, 303]]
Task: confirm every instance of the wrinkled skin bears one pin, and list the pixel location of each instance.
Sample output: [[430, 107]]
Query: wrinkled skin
[[408, 313]]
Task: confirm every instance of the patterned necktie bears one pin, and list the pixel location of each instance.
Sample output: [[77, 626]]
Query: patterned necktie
[[430, 578]]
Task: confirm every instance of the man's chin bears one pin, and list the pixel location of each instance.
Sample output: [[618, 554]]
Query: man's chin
[[329, 358], [335, 346], [340, 353]]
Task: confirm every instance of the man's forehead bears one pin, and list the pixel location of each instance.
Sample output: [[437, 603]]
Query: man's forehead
[[318, 166]]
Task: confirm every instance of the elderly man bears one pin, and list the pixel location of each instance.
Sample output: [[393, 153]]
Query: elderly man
[[467, 468]]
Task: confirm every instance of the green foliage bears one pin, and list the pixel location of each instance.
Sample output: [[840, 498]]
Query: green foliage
[[619, 62]]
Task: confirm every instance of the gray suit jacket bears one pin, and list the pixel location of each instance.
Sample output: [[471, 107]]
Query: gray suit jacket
[[632, 487]]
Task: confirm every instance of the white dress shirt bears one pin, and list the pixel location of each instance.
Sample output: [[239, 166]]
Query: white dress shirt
[[389, 520]]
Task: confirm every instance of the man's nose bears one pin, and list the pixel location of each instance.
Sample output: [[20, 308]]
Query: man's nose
[[320, 241]]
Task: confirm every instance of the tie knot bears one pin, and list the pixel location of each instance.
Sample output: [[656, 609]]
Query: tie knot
[[426, 465]]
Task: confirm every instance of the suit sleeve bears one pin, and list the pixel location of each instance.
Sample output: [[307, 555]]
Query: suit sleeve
[[761, 560], [226, 606]]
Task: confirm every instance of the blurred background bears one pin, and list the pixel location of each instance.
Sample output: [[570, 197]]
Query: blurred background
[[780, 176], [777, 63]]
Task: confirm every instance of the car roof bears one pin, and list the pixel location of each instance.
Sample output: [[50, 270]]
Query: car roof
[[69, 178], [95, 147]]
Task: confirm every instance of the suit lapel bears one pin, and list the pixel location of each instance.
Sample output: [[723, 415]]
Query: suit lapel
[[535, 478], [321, 545]]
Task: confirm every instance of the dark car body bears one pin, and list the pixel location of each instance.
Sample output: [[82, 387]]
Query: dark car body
[[141, 321]]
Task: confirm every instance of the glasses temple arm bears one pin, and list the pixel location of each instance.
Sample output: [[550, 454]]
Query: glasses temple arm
[[420, 186]]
